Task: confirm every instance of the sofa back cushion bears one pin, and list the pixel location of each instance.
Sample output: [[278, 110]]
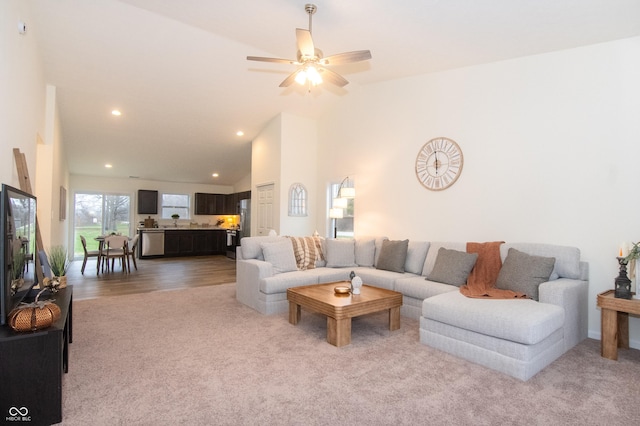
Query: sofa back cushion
[[280, 255], [250, 246], [567, 263], [340, 253], [365, 251], [416, 254]]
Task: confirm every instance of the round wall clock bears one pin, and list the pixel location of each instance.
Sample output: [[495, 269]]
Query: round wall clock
[[439, 164]]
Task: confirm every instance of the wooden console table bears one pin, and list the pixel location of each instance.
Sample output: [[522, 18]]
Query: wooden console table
[[614, 328], [32, 366]]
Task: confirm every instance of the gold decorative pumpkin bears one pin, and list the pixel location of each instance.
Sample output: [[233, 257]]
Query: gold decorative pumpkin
[[34, 316]]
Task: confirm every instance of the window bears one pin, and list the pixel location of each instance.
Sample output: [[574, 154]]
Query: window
[[99, 214], [175, 204], [342, 227], [297, 200]]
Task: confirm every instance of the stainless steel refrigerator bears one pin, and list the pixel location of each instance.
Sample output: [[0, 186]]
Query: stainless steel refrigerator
[[245, 217]]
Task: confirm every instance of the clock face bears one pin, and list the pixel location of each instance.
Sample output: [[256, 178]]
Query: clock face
[[439, 164]]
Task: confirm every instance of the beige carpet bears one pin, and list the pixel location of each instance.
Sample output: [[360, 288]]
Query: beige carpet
[[198, 357]]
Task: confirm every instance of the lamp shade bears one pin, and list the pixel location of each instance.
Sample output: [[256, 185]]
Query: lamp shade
[[347, 192], [336, 213], [340, 203]]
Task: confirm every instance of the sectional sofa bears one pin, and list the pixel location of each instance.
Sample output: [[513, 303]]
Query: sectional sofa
[[518, 337]]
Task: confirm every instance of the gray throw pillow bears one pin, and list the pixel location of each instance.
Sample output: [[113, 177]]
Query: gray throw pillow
[[393, 255], [280, 255], [524, 273], [452, 267]]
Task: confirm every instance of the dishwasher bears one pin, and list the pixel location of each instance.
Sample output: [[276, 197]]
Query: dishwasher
[[152, 243]]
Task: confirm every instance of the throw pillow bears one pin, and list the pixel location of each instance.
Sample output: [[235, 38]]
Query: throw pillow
[[452, 267], [305, 251], [340, 253], [524, 273], [280, 255], [393, 255]]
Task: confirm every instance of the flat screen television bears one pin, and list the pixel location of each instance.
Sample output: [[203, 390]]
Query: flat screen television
[[17, 249]]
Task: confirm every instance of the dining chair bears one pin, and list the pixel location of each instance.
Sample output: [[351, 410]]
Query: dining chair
[[131, 252], [88, 254], [115, 247]]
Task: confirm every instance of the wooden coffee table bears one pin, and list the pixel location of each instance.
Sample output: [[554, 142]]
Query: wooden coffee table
[[339, 309]]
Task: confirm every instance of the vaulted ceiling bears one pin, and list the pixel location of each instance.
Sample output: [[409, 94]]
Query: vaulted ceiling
[[178, 71]]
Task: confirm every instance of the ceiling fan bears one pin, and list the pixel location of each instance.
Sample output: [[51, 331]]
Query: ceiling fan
[[311, 65]]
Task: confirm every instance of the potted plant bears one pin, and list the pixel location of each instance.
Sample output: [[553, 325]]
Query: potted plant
[[175, 218], [59, 263]]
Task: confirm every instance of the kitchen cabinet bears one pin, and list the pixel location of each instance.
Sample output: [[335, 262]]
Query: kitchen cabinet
[[231, 204], [147, 201], [218, 204], [196, 242], [209, 204]]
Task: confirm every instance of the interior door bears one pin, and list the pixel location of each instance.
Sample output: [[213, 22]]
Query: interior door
[[265, 209]]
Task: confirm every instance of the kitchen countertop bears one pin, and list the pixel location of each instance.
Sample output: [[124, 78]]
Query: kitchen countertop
[[183, 228]]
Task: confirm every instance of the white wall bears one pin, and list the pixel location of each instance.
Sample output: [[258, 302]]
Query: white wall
[[285, 153], [22, 89], [551, 149], [298, 165]]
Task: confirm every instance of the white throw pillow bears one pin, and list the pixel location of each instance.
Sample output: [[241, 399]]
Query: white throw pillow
[[280, 255]]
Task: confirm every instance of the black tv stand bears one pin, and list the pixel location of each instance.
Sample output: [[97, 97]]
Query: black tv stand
[[31, 368]]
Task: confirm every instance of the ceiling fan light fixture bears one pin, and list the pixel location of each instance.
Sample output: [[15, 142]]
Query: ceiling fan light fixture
[[313, 76], [301, 77]]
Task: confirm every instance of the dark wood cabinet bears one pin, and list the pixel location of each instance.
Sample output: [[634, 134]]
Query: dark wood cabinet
[[32, 367], [147, 201], [201, 242], [219, 204], [209, 204]]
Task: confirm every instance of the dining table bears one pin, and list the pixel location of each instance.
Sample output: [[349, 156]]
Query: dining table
[[100, 239]]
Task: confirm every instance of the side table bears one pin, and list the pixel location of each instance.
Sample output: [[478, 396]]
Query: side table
[[614, 328]]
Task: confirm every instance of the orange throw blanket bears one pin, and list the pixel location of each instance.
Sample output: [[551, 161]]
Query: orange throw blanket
[[482, 279]]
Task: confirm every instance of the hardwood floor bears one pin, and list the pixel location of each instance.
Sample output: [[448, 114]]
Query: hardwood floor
[[152, 275]]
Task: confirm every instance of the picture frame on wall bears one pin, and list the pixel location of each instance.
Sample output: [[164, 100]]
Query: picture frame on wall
[[63, 203]]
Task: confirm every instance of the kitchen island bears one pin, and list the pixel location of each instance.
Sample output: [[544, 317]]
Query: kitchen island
[[173, 242]]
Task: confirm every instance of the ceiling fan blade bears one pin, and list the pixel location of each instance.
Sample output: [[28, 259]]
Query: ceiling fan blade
[[344, 58], [263, 59], [290, 79], [333, 77], [305, 43]]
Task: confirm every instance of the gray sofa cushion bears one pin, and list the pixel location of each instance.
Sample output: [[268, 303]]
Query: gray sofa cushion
[[452, 267], [524, 273], [416, 253], [393, 255], [280, 255], [340, 253], [432, 254], [365, 251], [567, 258], [251, 248], [519, 320]]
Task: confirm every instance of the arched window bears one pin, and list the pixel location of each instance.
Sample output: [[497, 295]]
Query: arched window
[[297, 200]]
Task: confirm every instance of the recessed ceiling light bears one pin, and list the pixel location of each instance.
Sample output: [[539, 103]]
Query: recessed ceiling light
[[116, 112], [215, 175], [108, 166], [240, 133]]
